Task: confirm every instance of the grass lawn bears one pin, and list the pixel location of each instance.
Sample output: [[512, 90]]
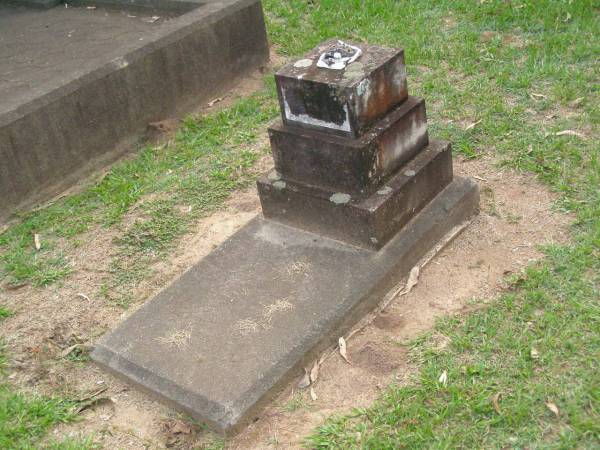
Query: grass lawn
[[522, 373], [25, 419]]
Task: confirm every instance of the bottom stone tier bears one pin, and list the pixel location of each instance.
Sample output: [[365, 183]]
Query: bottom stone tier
[[367, 222]]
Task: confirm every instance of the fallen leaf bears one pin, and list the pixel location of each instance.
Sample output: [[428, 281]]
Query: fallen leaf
[[534, 353], [181, 427], [304, 381], [569, 133], [314, 372], [91, 396], [496, 402], [472, 125], [214, 101], [443, 379], [313, 394], [343, 352], [413, 279], [83, 296], [577, 102], [67, 351], [93, 402], [552, 407], [37, 241]]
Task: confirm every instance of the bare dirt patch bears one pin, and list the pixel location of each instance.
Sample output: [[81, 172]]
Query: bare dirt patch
[[516, 216]]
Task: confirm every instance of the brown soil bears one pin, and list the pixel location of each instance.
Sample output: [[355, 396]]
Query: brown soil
[[516, 216]]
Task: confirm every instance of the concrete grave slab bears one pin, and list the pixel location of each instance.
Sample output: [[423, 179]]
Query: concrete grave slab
[[225, 337], [78, 86]]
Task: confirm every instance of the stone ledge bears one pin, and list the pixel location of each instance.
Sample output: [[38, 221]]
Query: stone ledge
[[353, 165], [367, 222]]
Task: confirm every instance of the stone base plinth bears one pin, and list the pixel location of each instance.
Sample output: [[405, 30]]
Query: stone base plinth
[[367, 222]]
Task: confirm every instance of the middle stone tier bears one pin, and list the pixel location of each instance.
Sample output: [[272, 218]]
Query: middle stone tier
[[363, 221], [352, 165]]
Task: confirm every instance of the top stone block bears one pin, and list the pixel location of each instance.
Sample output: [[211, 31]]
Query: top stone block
[[341, 88]]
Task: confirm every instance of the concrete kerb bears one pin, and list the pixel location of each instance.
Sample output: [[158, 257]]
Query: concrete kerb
[[51, 155]]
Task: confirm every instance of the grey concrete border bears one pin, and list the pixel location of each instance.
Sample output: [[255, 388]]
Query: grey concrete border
[[50, 143]]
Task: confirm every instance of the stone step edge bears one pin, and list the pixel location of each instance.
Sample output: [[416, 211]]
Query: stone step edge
[[355, 165], [365, 222]]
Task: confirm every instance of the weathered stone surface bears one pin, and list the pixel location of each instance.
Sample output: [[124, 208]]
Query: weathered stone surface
[[352, 165], [62, 117], [368, 222], [223, 338], [346, 101], [37, 3]]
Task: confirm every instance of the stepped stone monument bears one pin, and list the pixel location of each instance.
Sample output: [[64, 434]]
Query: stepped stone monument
[[353, 159], [359, 195]]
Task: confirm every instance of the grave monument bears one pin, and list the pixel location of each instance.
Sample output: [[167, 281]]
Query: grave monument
[[359, 195]]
